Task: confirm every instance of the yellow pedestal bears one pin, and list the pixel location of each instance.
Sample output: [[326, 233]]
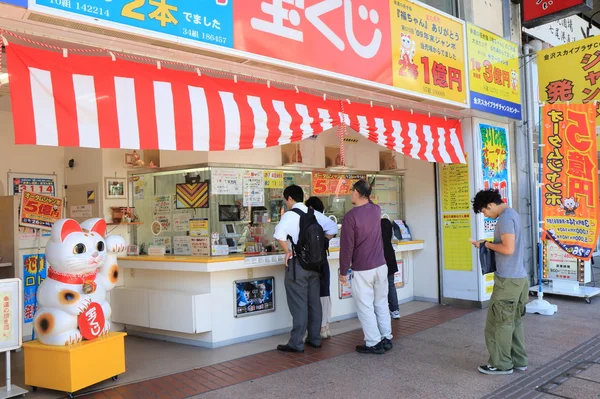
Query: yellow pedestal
[[72, 368]]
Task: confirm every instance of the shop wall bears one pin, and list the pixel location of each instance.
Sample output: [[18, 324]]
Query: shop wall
[[180, 158], [421, 217], [487, 14], [25, 158]]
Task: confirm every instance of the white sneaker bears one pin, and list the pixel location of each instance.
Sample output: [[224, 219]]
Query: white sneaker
[[395, 314], [489, 370], [521, 369]]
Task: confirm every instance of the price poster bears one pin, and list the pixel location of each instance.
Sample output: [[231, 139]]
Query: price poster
[[199, 227], [200, 246], [560, 265], [456, 231], [226, 181], [254, 188], [454, 182], [273, 179], [181, 221], [162, 204], [41, 184], [39, 210], [334, 184]]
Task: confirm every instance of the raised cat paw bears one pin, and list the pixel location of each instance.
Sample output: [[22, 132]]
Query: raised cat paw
[[115, 244]]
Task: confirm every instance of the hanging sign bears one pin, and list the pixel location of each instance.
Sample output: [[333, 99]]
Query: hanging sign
[[570, 177], [538, 12], [494, 77], [39, 210], [428, 51], [334, 184], [207, 21], [568, 73]]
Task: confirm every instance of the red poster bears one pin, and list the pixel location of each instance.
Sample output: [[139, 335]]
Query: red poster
[[537, 12], [333, 184], [347, 37], [570, 177]]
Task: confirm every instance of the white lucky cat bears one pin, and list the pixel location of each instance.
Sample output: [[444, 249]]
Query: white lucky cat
[[82, 269]]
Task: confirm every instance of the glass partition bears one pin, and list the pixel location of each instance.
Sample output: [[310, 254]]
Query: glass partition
[[237, 209]]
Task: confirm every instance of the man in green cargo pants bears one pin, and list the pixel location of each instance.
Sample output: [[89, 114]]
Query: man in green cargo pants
[[504, 335]]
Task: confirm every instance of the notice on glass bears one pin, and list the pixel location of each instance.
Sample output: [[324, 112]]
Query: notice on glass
[[456, 232], [138, 187], [164, 220], [454, 182], [254, 188], [200, 246], [162, 204], [198, 227], [163, 241], [273, 179], [182, 245], [181, 221], [226, 181]]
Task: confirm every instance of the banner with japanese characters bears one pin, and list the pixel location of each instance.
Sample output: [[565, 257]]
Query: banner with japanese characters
[[206, 21], [569, 191], [39, 210], [428, 51], [34, 272], [494, 78], [570, 73]]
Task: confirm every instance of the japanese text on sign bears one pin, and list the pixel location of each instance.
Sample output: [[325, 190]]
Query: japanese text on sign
[[209, 21], [428, 52], [332, 184], [570, 72], [34, 272], [570, 178], [348, 37], [494, 73], [39, 210], [35, 185]]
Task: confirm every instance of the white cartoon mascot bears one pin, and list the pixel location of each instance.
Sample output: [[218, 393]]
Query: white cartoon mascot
[[408, 50], [82, 269], [570, 206], [514, 80]]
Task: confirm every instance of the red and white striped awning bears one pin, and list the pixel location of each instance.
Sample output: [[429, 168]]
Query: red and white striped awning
[[106, 102]]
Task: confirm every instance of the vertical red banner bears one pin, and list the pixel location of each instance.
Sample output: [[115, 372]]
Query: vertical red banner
[[570, 177]]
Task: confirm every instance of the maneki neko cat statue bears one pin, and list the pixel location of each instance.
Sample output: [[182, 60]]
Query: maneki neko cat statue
[[82, 269]]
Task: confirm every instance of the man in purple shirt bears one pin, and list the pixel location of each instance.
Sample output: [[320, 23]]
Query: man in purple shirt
[[362, 249]]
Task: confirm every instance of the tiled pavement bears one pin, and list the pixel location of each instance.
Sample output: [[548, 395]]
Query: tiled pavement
[[205, 379], [575, 375]]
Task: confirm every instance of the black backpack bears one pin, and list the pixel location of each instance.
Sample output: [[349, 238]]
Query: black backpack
[[311, 246]]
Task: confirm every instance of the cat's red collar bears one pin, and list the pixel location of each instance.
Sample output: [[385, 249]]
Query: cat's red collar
[[72, 278]]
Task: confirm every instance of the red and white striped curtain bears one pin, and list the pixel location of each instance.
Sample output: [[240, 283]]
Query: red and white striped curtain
[[105, 102]]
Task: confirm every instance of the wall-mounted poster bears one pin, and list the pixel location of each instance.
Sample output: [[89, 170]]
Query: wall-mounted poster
[[254, 188], [254, 296], [162, 204], [191, 196], [35, 183], [226, 181], [39, 210]]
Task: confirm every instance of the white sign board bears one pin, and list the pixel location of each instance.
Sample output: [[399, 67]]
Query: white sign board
[[11, 301], [563, 31]]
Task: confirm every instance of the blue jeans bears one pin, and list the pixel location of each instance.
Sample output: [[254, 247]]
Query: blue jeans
[[392, 294]]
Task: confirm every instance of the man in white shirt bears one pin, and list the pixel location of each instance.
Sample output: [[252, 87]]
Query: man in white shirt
[[301, 286]]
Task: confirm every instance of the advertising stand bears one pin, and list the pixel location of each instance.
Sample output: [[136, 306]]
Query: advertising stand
[[10, 332]]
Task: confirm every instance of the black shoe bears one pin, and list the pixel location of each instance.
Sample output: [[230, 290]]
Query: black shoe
[[312, 345], [387, 344], [287, 348], [489, 370], [375, 350]]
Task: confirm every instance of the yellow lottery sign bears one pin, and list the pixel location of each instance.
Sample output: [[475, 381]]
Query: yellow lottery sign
[[493, 73], [570, 73], [428, 51]]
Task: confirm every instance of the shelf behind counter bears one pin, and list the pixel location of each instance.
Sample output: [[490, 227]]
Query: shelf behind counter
[[210, 264]]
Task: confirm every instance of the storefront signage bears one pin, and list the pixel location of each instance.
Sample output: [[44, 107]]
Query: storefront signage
[[34, 272], [570, 177], [207, 21], [43, 184], [334, 184], [563, 31], [538, 12], [39, 210], [428, 51], [559, 264], [273, 179], [254, 188], [226, 181], [19, 3], [495, 164], [569, 73], [494, 77]]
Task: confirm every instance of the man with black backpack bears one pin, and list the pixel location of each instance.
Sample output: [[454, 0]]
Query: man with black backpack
[[306, 230]]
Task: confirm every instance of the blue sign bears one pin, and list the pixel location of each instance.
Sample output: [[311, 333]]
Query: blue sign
[[208, 21], [18, 3], [496, 106]]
